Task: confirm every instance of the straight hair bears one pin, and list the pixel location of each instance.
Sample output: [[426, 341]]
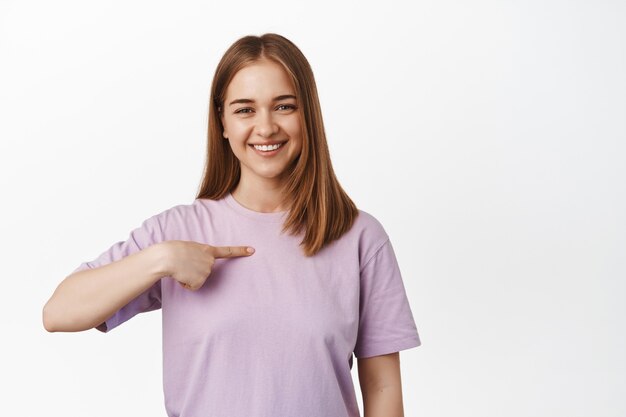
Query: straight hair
[[317, 204]]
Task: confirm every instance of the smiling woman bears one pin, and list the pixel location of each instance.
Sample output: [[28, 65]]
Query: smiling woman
[[272, 331], [264, 130], [264, 93]]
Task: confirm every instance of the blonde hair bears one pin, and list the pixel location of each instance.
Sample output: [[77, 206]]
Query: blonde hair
[[316, 201]]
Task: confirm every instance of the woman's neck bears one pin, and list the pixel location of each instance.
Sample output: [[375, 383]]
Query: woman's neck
[[264, 196]]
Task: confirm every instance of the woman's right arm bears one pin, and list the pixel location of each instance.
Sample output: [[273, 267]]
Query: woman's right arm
[[87, 298]]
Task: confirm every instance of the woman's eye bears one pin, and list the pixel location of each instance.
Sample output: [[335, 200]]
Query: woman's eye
[[247, 110]]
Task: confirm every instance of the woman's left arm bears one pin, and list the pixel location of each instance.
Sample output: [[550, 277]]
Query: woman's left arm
[[381, 385]]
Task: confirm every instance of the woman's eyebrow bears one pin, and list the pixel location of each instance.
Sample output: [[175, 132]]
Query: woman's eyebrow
[[249, 100]]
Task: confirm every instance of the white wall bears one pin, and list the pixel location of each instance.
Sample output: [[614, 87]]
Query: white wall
[[488, 137]]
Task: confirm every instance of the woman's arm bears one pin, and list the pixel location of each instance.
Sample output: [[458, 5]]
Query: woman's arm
[[87, 298], [381, 385]]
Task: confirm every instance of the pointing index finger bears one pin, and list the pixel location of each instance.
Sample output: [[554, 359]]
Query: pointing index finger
[[232, 251]]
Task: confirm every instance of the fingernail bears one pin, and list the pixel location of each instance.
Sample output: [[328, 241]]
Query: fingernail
[[250, 250]]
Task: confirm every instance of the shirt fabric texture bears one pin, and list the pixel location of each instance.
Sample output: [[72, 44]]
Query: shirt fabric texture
[[271, 334]]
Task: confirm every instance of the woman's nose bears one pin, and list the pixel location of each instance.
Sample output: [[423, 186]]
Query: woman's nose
[[266, 126]]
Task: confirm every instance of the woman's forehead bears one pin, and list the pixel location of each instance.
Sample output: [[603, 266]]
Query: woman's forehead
[[260, 80]]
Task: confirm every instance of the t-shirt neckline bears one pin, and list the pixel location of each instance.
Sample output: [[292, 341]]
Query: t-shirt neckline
[[274, 217]]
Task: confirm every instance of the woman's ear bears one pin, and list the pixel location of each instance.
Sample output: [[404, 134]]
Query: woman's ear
[[222, 120]]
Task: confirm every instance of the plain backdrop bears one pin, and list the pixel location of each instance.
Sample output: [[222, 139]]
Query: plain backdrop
[[488, 137]]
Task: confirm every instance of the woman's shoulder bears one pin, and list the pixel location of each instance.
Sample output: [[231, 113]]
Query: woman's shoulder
[[369, 226], [175, 211], [175, 216], [368, 234]]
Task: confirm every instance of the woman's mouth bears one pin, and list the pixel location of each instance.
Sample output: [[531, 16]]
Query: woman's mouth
[[268, 150]]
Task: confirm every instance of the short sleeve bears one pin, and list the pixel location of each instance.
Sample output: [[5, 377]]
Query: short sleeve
[[140, 238], [386, 323]]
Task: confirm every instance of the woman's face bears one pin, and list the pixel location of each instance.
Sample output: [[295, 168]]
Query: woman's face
[[260, 108]]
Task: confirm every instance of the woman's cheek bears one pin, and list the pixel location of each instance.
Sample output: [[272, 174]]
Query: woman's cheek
[[242, 128]]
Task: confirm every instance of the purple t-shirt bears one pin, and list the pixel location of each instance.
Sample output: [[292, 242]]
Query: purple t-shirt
[[272, 334]]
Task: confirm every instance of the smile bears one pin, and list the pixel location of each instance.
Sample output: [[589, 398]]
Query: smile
[[266, 148], [268, 151]]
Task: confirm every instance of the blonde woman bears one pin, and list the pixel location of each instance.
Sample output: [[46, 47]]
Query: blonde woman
[[271, 279]]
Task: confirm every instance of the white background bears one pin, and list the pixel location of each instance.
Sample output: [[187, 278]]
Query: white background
[[488, 137]]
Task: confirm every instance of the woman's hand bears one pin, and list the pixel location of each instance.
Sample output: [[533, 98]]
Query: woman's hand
[[190, 263]]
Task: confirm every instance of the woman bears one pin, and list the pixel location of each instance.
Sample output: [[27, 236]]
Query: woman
[[272, 330]]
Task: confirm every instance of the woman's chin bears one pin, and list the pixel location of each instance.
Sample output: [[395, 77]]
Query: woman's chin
[[269, 174]]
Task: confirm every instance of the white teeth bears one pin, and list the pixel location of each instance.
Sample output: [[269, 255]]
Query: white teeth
[[268, 148]]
